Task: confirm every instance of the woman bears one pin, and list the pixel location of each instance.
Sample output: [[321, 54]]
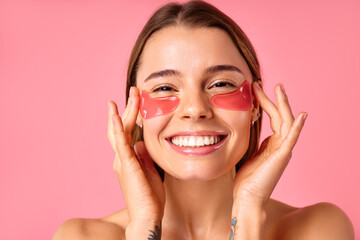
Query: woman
[[187, 146]]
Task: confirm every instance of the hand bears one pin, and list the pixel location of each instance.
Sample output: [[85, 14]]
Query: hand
[[258, 177], [141, 184]]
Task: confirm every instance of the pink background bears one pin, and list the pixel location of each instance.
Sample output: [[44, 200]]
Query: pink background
[[61, 61]]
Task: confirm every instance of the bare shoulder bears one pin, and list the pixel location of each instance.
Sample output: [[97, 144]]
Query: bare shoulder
[[82, 228], [120, 218], [319, 221]]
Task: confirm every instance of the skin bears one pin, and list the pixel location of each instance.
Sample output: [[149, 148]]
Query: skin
[[201, 195]]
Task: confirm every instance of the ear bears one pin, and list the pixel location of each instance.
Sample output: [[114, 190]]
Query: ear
[[139, 120], [255, 112]]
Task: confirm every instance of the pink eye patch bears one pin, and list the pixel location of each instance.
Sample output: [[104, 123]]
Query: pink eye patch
[[240, 100], [153, 107]]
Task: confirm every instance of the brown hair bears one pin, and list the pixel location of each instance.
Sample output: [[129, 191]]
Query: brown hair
[[196, 14]]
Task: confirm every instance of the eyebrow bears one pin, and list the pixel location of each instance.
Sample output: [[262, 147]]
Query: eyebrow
[[176, 73], [220, 68], [164, 73]]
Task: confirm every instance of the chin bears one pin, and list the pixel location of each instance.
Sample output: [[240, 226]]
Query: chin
[[196, 174]]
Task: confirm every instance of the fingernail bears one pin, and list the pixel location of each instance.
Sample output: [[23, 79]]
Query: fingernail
[[257, 85], [108, 104], [282, 88], [304, 116]]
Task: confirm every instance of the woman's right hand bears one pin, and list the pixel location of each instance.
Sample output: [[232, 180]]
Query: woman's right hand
[[140, 182]]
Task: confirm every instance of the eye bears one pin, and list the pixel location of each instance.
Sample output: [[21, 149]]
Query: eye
[[164, 88], [223, 84]]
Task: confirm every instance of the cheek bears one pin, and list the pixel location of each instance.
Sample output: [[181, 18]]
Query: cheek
[[152, 129], [238, 121], [239, 100], [239, 124]]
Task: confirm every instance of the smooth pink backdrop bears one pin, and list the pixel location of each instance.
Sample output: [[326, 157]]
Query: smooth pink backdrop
[[61, 61]]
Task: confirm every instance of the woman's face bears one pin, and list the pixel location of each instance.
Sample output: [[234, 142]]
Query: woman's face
[[191, 54]]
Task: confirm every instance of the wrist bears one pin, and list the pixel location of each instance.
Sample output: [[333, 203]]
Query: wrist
[[144, 229], [248, 222]]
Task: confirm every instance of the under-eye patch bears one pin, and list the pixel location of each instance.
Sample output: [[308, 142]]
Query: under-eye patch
[[153, 107], [240, 99]]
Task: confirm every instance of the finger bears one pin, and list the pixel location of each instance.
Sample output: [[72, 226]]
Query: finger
[[120, 177], [149, 168], [269, 107], [145, 158], [128, 165], [294, 133], [130, 119], [126, 111], [122, 147], [117, 168], [284, 110], [128, 105], [264, 144], [112, 110]]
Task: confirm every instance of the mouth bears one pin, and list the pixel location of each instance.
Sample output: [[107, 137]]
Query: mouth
[[196, 143]]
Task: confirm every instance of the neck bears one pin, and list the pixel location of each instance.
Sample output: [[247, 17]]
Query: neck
[[198, 207]]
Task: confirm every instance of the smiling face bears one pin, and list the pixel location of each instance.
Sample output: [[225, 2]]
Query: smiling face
[[197, 140]]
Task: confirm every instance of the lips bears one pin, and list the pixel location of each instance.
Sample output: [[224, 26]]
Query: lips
[[195, 143]]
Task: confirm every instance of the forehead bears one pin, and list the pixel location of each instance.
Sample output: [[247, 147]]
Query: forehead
[[188, 50]]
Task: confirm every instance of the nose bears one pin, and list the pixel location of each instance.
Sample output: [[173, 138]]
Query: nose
[[195, 106]]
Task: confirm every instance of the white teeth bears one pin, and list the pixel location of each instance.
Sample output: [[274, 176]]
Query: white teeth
[[195, 141], [200, 142], [207, 141], [191, 141]]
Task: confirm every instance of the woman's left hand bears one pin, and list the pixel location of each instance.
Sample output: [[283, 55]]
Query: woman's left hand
[[257, 178]]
